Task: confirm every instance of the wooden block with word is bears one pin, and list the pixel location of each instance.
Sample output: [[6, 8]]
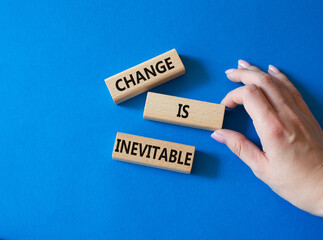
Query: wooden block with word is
[[145, 76], [183, 111], [154, 153]]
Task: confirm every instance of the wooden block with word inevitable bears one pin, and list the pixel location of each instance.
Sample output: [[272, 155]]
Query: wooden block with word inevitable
[[145, 76], [183, 111], [154, 153]]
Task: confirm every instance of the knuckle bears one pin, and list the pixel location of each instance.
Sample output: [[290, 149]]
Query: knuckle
[[251, 89], [237, 148], [278, 130], [281, 86], [266, 79]]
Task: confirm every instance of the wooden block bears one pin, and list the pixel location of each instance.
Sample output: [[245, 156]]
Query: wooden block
[[154, 153], [145, 76], [183, 111]]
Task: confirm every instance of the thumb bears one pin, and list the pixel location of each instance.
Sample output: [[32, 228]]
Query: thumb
[[243, 148]]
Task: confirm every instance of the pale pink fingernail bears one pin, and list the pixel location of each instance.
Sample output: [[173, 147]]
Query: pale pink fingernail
[[243, 63], [218, 137], [273, 68], [229, 71]]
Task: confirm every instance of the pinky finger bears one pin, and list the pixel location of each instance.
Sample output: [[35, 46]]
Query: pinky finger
[[294, 93]]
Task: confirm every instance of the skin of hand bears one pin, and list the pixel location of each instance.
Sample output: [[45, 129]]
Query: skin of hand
[[291, 159]]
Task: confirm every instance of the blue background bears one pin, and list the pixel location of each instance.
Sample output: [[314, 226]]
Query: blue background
[[58, 121]]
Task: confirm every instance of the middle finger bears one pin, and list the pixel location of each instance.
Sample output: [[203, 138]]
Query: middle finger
[[267, 85]]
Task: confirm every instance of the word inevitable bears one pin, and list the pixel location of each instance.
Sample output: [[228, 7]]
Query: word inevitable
[[145, 76], [153, 152]]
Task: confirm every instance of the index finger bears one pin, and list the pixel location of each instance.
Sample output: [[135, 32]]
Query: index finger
[[254, 101]]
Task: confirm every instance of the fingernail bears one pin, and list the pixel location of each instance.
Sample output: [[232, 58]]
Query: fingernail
[[243, 63], [218, 137], [229, 71], [273, 68]]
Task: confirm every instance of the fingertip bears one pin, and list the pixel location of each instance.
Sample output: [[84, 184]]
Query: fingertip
[[226, 105], [216, 135], [243, 64], [228, 102], [273, 69], [224, 102], [230, 71]]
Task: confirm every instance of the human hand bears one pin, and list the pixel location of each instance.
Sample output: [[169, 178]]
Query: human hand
[[291, 159]]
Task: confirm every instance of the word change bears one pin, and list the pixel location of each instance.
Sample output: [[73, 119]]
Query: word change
[[145, 76]]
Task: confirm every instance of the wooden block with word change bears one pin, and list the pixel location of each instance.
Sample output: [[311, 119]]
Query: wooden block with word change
[[154, 153], [145, 76], [183, 111]]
